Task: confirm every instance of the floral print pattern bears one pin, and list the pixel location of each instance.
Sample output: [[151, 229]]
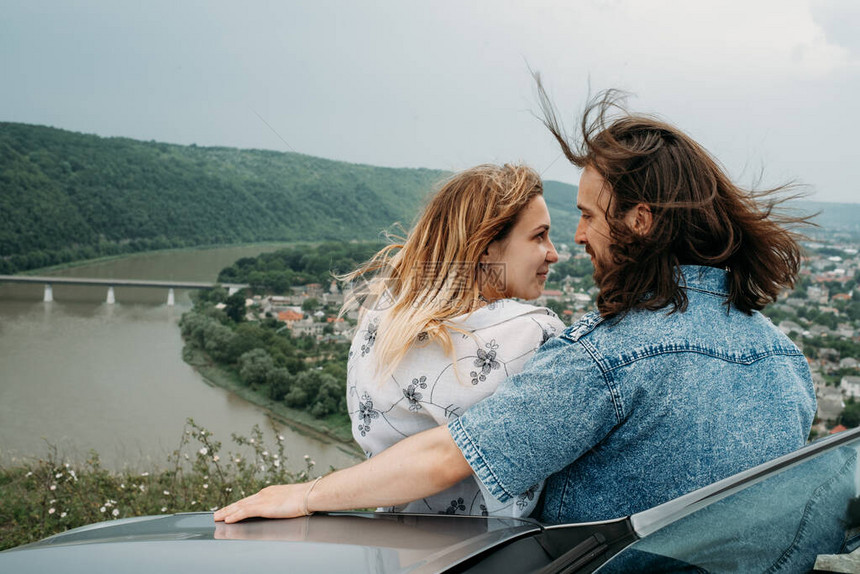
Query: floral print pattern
[[486, 361], [454, 506], [525, 499], [369, 338], [366, 413], [412, 395]]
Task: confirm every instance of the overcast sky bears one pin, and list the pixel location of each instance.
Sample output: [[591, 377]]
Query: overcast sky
[[766, 85]]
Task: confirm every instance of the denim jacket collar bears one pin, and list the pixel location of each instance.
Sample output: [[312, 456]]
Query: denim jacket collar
[[705, 279]]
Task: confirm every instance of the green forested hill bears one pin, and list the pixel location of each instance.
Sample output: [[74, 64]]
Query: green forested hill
[[66, 196]]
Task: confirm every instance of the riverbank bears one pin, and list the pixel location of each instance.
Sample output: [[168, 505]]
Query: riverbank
[[335, 429]]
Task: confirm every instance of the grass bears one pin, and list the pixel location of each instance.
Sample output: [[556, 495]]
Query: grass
[[49, 496]]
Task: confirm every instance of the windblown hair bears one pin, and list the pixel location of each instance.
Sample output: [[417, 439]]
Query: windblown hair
[[434, 275], [699, 216]]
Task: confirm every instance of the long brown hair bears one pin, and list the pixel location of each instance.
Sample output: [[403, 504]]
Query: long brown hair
[[434, 275], [699, 216]]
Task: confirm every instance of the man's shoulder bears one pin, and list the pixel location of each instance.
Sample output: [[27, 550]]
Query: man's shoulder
[[582, 327], [706, 325]]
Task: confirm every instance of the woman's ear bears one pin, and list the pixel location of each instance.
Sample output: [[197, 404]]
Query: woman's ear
[[491, 253]]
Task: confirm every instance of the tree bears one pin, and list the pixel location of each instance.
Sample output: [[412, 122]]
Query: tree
[[310, 304], [217, 339], [280, 380], [330, 396], [255, 366], [851, 415], [235, 308]]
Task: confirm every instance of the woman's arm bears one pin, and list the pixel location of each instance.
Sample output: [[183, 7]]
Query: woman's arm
[[418, 466]]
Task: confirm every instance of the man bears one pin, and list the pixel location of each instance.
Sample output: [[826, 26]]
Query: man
[[676, 382]]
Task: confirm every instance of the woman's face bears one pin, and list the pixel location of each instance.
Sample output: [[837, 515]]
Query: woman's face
[[517, 265]]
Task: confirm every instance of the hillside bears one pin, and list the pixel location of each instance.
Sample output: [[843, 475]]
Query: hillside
[[66, 196]]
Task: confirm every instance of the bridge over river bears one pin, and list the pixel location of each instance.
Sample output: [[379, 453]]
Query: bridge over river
[[48, 281]]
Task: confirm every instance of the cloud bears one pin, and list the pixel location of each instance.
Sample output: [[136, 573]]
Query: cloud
[[839, 20]]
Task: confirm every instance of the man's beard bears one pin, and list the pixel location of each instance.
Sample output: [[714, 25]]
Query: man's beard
[[599, 268]]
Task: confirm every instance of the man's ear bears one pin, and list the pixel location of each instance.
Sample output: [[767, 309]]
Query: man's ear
[[640, 219]]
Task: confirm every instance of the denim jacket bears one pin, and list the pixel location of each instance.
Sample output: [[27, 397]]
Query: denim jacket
[[624, 414]]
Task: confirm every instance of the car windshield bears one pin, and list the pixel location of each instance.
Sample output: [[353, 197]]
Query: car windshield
[[782, 520]]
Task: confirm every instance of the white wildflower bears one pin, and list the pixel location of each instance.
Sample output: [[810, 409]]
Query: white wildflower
[[166, 493], [250, 440], [115, 512], [144, 474], [53, 487], [186, 456], [307, 457], [63, 514], [228, 489], [203, 450], [265, 453], [277, 463], [66, 465], [163, 509], [311, 462], [216, 458], [58, 475], [280, 437], [205, 485], [275, 456], [102, 509], [237, 459], [52, 510], [193, 502], [29, 473], [122, 485], [142, 488]]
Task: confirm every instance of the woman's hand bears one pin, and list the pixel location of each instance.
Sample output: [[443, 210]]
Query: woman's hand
[[279, 501], [418, 466]]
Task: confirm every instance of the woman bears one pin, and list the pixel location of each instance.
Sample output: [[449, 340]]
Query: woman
[[438, 331]]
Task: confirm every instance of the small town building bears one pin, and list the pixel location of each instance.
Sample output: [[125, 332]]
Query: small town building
[[289, 316], [850, 386], [848, 363]]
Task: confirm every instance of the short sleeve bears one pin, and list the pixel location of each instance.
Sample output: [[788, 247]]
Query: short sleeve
[[539, 421]]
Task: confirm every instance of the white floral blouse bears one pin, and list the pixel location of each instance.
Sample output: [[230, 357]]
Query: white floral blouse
[[429, 389]]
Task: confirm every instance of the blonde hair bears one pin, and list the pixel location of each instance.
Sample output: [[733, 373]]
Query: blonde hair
[[434, 275]]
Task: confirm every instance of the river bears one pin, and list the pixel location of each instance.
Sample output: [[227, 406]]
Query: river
[[80, 374]]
